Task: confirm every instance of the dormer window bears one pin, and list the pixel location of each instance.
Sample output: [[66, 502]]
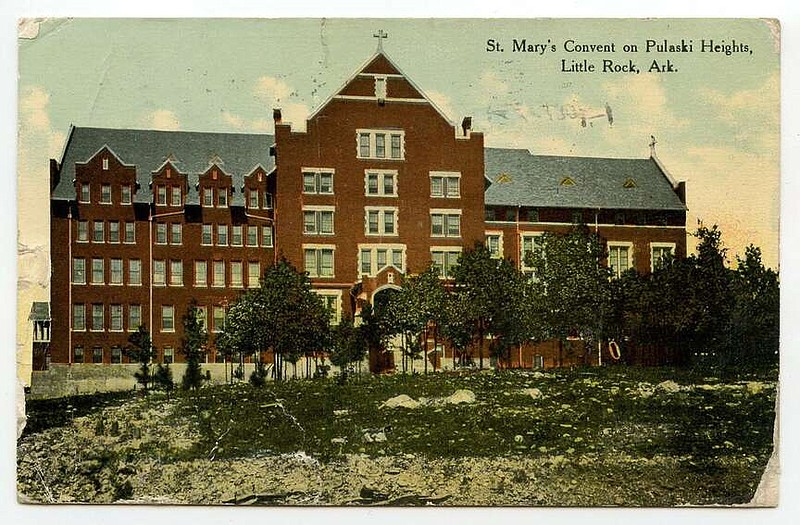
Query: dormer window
[[85, 195], [567, 181], [252, 199], [267, 202], [125, 194], [372, 144], [222, 197], [208, 197], [161, 195], [629, 183], [176, 195]]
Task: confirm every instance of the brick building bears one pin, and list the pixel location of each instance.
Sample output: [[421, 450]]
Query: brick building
[[381, 183]]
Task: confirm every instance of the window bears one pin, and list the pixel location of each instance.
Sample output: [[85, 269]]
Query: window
[[374, 258], [252, 235], [266, 236], [446, 223], [577, 217], [529, 245], [176, 273], [98, 271], [176, 233], [98, 320], [253, 274], [134, 317], [116, 317], [99, 232], [167, 318], [380, 87], [208, 197], [659, 253], [85, 193], [79, 317], [267, 202], [130, 232], [445, 184], [83, 231], [78, 270], [619, 258], [206, 236], [222, 197], [236, 274], [125, 194], [159, 273], [494, 242], [116, 271], [200, 273], [219, 318], [176, 196], [332, 301], [169, 355], [135, 272], [116, 355], [371, 144], [161, 195], [444, 260], [318, 261], [236, 235], [317, 181], [318, 220], [219, 274], [222, 234], [202, 317], [113, 231], [381, 183], [105, 163], [77, 354], [105, 194], [161, 233], [380, 220], [97, 355], [538, 361], [252, 199]]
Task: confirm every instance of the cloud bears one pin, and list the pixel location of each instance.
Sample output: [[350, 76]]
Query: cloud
[[444, 103], [162, 119], [241, 124], [275, 93]]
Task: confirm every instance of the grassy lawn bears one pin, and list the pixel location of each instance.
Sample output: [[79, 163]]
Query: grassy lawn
[[588, 427]]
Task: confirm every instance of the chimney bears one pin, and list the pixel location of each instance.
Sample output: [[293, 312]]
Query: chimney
[[276, 115], [652, 146], [466, 125]]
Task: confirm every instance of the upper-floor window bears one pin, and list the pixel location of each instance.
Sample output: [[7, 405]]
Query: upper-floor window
[[222, 234], [381, 183], [176, 196], [266, 237], [380, 144], [105, 194], [374, 258], [445, 259], [332, 301], [318, 260], [446, 223], [266, 202], [252, 235], [445, 184], [105, 163], [380, 220], [125, 194], [161, 195], [176, 233], [206, 237], [130, 232], [85, 195], [98, 271], [161, 233], [660, 252], [222, 197], [159, 273], [99, 232], [83, 231], [113, 231], [252, 199], [319, 181], [253, 274], [78, 270], [236, 235], [619, 258], [167, 318], [530, 244], [494, 243], [318, 220], [208, 197], [135, 272]]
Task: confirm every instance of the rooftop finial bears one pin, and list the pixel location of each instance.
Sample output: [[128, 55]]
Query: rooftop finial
[[380, 35], [652, 146]]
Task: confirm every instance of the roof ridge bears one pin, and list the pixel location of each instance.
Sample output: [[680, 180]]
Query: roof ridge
[[176, 131]]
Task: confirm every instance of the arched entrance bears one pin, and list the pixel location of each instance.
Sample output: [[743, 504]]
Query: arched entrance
[[382, 360]]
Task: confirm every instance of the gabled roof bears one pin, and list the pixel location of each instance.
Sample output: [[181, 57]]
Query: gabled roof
[[40, 311], [518, 178], [149, 149]]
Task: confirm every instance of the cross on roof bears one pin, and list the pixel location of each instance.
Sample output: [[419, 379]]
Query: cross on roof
[[380, 35]]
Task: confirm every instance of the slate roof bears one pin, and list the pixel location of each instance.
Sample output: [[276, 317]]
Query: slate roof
[[535, 181], [40, 311], [239, 153]]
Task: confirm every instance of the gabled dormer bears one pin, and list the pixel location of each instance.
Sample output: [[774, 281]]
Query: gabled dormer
[[256, 191], [215, 186], [168, 184], [104, 178]]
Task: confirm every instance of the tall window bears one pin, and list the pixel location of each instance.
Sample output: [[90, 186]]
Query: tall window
[[206, 239], [83, 231], [266, 236], [252, 235], [97, 355], [380, 220], [219, 274], [99, 232], [130, 232], [222, 197], [78, 270], [167, 318], [134, 272], [98, 272], [176, 196], [494, 243], [252, 199], [105, 194], [317, 181], [619, 258], [161, 233], [79, 317], [446, 223], [113, 231], [374, 258], [98, 320], [332, 300], [85, 195], [169, 355], [200, 273], [134, 317], [208, 197], [372, 144], [77, 354], [125, 194], [236, 235], [381, 183], [266, 203], [116, 317], [445, 184], [161, 195], [116, 271], [318, 220], [176, 273], [202, 317], [116, 355], [253, 274], [530, 244], [236, 274], [222, 234], [218, 313], [444, 260], [176, 233], [159, 273], [318, 261]]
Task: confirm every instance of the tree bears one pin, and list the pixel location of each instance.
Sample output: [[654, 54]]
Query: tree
[[141, 350], [193, 346], [162, 378], [349, 346], [571, 285]]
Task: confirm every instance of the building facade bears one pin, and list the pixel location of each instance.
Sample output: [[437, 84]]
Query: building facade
[[380, 184]]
